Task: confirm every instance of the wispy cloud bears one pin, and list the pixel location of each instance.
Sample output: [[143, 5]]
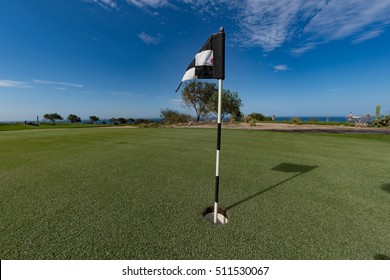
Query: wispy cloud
[[149, 39], [367, 36], [281, 67], [107, 4], [271, 24], [175, 101], [302, 25], [14, 84], [148, 3], [340, 19], [297, 51], [43, 82]]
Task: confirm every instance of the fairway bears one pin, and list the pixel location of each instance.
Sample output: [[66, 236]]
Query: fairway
[[100, 193]]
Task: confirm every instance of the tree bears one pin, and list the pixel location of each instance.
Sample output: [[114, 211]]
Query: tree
[[118, 120], [74, 119], [170, 116], [122, 120], [196, 95], [231, 104], [93, 119], [114, 121], [52, 117]]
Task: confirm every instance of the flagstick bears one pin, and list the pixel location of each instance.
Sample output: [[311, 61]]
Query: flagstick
[[218, 151]]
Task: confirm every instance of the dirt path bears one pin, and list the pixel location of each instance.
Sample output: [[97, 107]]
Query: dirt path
[[301, 128]]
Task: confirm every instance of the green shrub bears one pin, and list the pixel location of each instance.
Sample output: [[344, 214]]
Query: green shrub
[[295, 120], [149, 125], [170, 116], [382, 122], [256, 116]]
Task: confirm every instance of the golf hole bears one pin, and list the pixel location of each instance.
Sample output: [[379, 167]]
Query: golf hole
[[208, 215]]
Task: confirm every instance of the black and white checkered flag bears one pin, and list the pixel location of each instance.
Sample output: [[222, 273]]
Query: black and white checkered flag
[[209, 62]]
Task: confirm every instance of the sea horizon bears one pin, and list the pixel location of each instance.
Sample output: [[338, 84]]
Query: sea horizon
[[277, 118]]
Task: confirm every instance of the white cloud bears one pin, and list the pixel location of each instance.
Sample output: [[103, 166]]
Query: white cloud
[[175, 101], [104, 3], [270, 24], [302, 49], [14, 84], [367, 36], [281, 67], [340, 19], [109, 3], [149, 39], [42, 82], [149, 3]]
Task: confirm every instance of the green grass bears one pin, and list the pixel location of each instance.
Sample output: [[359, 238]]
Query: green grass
[[22, 126], [139, 194]]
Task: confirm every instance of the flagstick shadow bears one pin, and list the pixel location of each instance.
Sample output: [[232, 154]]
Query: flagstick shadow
[[386, 187], [381, 257], [284, 167], [261, 192]]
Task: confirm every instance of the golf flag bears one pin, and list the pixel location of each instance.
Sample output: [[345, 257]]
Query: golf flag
[[209, 62]]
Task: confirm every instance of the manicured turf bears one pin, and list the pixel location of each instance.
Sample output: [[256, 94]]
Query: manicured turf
[[101, 193], [22, 126]]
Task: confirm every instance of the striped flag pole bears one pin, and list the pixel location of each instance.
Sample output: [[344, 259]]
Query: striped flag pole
[[209, 63], [219, 129]]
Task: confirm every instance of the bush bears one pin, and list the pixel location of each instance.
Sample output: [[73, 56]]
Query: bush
[[254, 116], [382, 122], [170, 116], [149, 125], [252, 122], [295, 120], [257, 117]]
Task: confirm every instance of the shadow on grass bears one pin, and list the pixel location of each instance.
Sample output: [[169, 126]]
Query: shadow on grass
[[386, 187], [283, 167], [381, 257]]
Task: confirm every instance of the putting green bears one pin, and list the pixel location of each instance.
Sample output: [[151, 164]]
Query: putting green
[[139, 194]]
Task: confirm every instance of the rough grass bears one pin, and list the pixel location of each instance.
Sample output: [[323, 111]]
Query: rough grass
[[139, 194]]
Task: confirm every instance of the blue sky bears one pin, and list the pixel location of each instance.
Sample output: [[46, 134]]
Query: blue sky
[[125, 58]]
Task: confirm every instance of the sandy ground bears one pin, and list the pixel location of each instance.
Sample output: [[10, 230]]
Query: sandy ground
[[312, 128], [301, 128], [120, 126]]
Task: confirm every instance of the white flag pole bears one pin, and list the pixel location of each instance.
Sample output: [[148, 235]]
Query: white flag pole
[[218, 151]]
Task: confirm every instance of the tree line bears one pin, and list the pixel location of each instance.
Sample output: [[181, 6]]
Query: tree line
[[202, 97], [53, 117]]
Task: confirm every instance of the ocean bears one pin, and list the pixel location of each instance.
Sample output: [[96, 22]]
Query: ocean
[[277, 118]]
